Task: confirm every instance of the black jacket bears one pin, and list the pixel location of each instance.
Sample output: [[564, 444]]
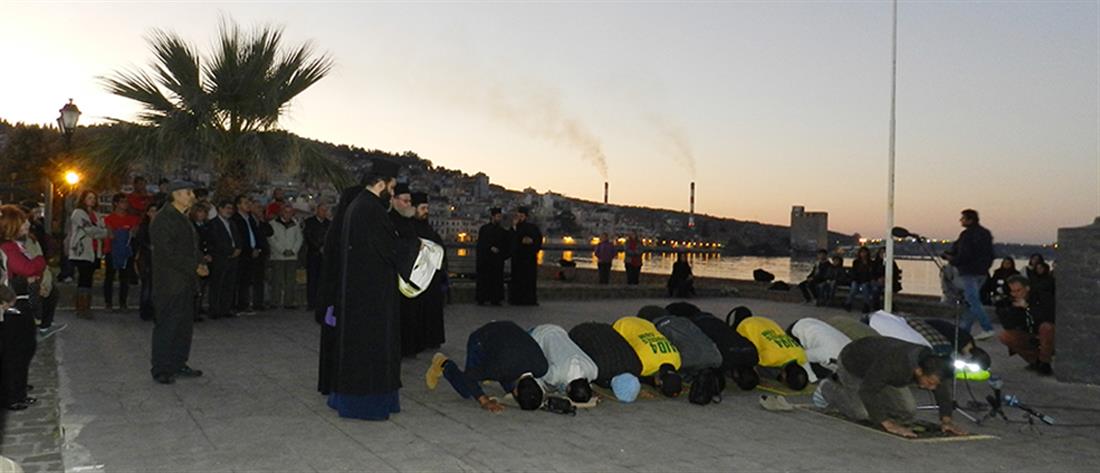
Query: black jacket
[[314, 233], [176, 254], [505, 352], [1040, 310], [220, 242], [611, 352], [972, 253]]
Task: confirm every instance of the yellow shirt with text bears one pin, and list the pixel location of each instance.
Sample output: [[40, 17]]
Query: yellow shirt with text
[[774, 346], [652, 348]]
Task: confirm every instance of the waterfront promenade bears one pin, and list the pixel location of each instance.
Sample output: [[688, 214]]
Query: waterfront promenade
[[256, 410]]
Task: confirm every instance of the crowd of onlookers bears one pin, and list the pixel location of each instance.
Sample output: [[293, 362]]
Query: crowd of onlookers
[[865, 279]]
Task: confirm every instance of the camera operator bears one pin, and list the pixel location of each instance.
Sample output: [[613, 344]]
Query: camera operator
[[1028, 320]]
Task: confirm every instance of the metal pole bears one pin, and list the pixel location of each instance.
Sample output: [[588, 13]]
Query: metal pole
[[47, 215], [888, 284]]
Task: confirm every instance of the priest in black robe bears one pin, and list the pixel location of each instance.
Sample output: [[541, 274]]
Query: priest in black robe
[[493, 248], [434, 297], [328, 291], [526, 244], [401, 216], [366, 374]]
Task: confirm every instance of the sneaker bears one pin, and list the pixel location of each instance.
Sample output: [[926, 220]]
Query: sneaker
[[44, 333], [435, 370], [984, 335], [775, 403]]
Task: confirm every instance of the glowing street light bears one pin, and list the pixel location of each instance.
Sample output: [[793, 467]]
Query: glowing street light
[[72, 178]]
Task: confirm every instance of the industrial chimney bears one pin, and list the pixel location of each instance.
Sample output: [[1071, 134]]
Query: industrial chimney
[[691, 212], [605, 192]]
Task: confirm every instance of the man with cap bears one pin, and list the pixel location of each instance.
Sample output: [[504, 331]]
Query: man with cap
[[361, 353], [617, 366], [497, 351], [660, 358], [432, 299], [493, 247], [402, 213], [570, 369], [526, 244], [177, 267]]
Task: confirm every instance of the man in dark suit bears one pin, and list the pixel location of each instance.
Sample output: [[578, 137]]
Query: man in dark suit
[[177, 267], [223, 247], [249, 293]]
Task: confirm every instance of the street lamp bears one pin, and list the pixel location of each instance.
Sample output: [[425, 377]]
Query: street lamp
[[70, 114], [66, 122], [72, 178]]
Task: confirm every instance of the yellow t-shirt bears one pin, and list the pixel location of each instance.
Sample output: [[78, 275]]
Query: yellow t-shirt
[[652, 348], [774, 346]]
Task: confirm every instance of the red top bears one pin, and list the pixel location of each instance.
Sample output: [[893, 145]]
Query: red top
[[139, 202], [116, 222], [273, 209], [19, 264]]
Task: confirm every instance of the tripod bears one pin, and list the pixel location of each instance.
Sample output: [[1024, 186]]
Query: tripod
[[901, 232]]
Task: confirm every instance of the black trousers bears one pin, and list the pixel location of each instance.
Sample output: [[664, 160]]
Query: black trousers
[[632, 274], [125, 278], [313, 278], [47, 306], [85, 270], [19, 344], [490, 281], [222, 285], [175, 318], [146, 309], [250, 282], [605, 272]]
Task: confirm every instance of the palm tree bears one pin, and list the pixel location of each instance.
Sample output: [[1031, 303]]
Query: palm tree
[[219, 111]]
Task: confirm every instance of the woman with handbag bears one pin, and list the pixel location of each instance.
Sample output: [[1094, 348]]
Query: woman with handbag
[[85, 244], [19, 335]]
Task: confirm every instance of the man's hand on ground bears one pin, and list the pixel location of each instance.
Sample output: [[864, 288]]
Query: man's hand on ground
[[490, 404], [897, 429]]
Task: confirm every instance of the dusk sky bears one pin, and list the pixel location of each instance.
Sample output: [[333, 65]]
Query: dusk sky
[[764, 104]]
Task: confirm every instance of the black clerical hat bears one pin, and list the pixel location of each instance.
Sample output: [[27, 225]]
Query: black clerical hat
[[401, 188], [384, 168], [419, 198]]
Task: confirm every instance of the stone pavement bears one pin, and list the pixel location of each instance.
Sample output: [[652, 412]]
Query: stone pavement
[[257, 410]]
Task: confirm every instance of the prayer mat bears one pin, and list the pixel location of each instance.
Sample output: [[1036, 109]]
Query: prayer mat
[[775, 387], [927, 432]]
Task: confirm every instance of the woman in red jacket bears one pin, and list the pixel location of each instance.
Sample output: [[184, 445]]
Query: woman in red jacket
[[18, 329]]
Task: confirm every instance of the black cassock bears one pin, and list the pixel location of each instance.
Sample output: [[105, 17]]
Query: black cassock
[[490, 265], [407, 248], [366, 359], [329, 290], [433, 298], [523, 289]]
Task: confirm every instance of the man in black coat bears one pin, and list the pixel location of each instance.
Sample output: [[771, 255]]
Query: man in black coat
[[177, 267], [526, 244], [493, 247], [316, 227], [366, 359], [249, 293], [408, 247], [222, 240], [972, 256], [329, 292], [433, 298]]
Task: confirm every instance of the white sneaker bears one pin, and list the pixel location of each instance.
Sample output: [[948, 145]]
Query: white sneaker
[[984, 335], [44, 333]]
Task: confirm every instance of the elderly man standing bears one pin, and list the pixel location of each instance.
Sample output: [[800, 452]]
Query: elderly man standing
[[177, 267]]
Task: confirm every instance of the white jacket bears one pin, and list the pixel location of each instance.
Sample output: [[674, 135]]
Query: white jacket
[[82, 232], [285, 237], [567, 361]]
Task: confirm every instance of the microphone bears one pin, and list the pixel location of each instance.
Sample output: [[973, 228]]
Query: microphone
[[902, 232], [1013, 401]]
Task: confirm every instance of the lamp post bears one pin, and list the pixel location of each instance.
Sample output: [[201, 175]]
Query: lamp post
[[66, 122]]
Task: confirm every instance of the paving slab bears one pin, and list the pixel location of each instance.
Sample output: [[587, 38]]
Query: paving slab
[[256, 409]]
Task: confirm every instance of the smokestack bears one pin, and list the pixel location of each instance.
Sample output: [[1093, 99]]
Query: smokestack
[[605, 192], [691, 212]]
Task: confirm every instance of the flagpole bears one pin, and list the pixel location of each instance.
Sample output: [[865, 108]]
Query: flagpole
[[888, 284]]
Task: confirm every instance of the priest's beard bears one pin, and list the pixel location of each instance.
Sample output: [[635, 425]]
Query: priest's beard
[[407, 212]]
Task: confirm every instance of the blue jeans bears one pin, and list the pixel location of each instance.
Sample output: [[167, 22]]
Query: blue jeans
[[864, 290], [972, 286]]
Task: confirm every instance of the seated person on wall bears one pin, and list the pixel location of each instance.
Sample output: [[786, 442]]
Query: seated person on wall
[[852, 328], [994, 290], [681, 283], [863, 276], [1028, 321], [570, 369], [815, 287], [660, 358], [821, 342], [617, 366], [497, 351], [873, 380], [780, 356]]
